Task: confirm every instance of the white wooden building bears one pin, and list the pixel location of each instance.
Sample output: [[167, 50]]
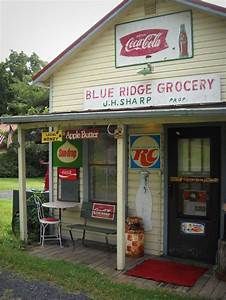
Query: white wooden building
[[156, 71]]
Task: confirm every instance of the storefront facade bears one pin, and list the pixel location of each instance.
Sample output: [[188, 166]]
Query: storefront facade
[[150, 80]]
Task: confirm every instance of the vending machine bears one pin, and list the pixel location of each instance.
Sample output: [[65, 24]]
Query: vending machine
[[68, 184]]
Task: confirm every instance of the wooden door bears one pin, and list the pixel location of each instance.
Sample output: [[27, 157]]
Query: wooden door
[[194, 192]]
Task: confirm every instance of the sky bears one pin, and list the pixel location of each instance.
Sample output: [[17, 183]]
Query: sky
[[47, 27]]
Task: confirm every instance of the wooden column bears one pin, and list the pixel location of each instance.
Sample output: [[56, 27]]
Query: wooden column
[[22, 185], [121, 146]]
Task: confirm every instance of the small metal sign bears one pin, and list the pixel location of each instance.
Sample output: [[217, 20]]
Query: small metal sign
[[145, 151], [69, 174], [52, 136], [67, 154], [193, 228], [103, 211]]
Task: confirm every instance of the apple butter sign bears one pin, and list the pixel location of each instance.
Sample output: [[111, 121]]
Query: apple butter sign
[[162, 38], [67, 154]]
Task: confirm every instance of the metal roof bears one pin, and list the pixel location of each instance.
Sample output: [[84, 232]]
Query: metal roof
[[219, 111], [50, 68]]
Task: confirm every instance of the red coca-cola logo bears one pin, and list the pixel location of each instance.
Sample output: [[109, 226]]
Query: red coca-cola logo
[[67, 173], [144, 42]]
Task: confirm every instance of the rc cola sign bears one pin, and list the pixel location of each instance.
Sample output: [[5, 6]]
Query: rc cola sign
[[145, 151], [161, 38]]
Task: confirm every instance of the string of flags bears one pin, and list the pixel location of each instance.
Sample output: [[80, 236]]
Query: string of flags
[[10, 136], [2, 137]]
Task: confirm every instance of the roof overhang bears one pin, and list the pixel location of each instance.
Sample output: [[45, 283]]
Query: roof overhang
[[123, 117]]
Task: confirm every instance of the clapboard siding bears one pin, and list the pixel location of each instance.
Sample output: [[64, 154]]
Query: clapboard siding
[[154, 237]]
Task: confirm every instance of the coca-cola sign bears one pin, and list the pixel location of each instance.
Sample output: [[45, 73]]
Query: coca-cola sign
[[157, 39], [103, 211], [69, 174], [144, 42]]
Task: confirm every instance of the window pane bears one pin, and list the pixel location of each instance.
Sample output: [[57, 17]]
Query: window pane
[[196, 152], [102, 151], [103, 183], [206, 156], [183, 156]]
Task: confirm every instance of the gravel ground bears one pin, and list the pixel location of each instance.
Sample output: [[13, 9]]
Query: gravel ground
[[14, 287]]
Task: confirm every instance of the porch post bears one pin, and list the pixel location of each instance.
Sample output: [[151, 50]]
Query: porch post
[[22, 185], [121, 146]]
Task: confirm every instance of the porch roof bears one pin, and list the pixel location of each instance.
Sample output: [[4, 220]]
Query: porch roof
[[218, 111]]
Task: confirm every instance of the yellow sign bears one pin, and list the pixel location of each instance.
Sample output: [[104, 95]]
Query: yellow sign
[[52, 136]]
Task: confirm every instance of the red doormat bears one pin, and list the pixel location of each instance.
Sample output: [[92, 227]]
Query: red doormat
[[167, 271]]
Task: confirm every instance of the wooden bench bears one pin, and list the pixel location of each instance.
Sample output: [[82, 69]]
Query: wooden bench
[[95, 212]]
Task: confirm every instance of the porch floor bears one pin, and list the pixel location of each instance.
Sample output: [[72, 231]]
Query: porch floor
[[104, 261]]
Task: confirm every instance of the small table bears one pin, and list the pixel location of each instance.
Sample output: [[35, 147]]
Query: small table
[[60, 205]]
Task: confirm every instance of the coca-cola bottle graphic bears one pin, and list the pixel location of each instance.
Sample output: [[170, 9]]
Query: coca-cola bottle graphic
[[183, 42]]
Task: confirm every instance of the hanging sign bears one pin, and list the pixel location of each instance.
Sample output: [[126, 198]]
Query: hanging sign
[[52, 136], [77, 134], [67, 154], [145, 151], [162, 38], [193, 89], [69, 174], [103, 211]]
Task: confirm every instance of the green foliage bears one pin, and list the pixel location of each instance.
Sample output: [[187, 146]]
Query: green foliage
[[8, 163], [34, 152], [33, 226], [17, 94]]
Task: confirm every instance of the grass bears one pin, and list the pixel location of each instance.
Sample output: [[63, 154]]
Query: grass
[[72, 277], [8, 184]]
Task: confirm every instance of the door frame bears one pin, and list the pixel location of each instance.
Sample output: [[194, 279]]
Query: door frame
[[222, 127]]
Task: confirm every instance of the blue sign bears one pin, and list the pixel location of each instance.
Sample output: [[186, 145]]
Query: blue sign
[[145, 151]]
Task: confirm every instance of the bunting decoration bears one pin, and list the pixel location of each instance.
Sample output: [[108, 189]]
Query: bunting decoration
[[2, 137], [10, 136]]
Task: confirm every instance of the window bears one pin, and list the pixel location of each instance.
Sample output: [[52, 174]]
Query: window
[[102, 168], [194, 161]]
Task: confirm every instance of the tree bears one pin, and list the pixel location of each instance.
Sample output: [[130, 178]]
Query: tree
[[18, 95]]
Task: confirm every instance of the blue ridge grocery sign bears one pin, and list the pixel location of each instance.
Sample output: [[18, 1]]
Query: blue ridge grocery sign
[[162, 92]]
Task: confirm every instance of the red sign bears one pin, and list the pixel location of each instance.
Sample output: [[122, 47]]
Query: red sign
[[103, 211], [144, 42], [69, 174]]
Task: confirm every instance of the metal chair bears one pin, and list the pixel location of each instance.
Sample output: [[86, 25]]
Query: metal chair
[[44, 222]]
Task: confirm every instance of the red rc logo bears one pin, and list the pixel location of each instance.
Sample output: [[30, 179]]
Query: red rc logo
[[145, 151]]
